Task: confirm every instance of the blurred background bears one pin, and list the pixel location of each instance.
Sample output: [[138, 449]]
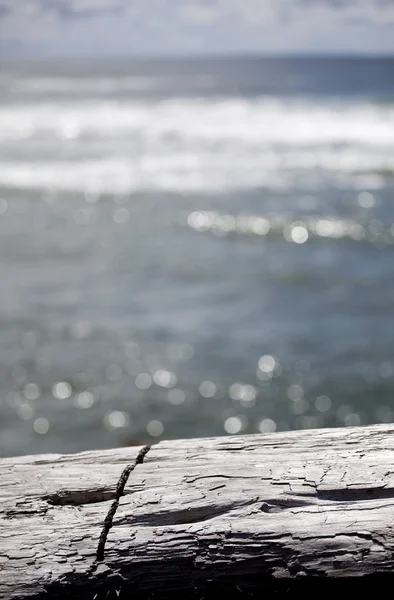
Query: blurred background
[[196, 219]]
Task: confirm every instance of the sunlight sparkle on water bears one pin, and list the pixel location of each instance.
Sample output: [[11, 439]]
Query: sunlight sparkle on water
[[176, 396], [164, 378], [207, 389], [323, 403], [268, 367], [295, 392], [61, 390], [260, 226], [332, 228], [143, 381], [25, 411], [296, 232], [267, 363], [41, 425], [234, 425], [352, 420], [245, 393], [155, 428], [267, 426], [84, 400], [31, 391], [116, 419], [366, 200], [121, 215], [202, 221], [224, 224]]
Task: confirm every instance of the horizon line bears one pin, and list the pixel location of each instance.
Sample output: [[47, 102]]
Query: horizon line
[[198, 56]]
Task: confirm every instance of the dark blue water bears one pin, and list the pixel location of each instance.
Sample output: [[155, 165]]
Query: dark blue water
[[193, 248]]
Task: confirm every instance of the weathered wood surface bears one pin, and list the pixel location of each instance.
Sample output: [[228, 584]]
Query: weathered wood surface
[[229, 510]]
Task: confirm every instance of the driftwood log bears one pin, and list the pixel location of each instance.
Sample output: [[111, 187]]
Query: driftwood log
[[243, 513]]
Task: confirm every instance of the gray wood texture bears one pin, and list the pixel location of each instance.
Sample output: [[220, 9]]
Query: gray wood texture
[[317, 503]]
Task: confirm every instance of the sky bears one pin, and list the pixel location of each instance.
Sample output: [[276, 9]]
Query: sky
[[81, 28]]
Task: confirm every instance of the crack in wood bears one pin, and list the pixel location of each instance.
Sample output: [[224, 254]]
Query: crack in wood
[[284, 504], [114, 506], [79, 497], [16, 513], [186, 516], [193, 479], [355, 494]]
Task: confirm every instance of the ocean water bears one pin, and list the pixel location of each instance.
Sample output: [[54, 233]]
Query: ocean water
[[194, 247]]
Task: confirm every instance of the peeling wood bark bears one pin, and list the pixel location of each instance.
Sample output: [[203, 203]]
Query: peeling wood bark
[[237, 512]]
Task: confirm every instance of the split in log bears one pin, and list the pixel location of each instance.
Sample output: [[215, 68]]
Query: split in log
[[286, 512]]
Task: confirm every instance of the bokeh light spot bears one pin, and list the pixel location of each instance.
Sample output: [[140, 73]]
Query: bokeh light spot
[[121, 215], [84, 400], [267, 426], [176, 396], [25, 411], [61, 390], [165, 379], [296, 232], [155, 428], [143, 381], [366, 200], [234, 425], [116, 419], [41, 425], [295, 392], [207, 389], [31, 391], [323, 403]]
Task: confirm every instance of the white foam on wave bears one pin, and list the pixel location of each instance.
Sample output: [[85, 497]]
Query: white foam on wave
[[253, 122], [198, 173], [200, 145], [122, 175]]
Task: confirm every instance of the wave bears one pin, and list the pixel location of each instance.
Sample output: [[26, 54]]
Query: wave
[[198, 172], [245, 122], [293, 230], [196, 145]]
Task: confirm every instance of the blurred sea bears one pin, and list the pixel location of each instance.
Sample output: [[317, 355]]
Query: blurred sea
[[194, 248]]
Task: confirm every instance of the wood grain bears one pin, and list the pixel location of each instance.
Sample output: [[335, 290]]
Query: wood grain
[[223, 511]]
